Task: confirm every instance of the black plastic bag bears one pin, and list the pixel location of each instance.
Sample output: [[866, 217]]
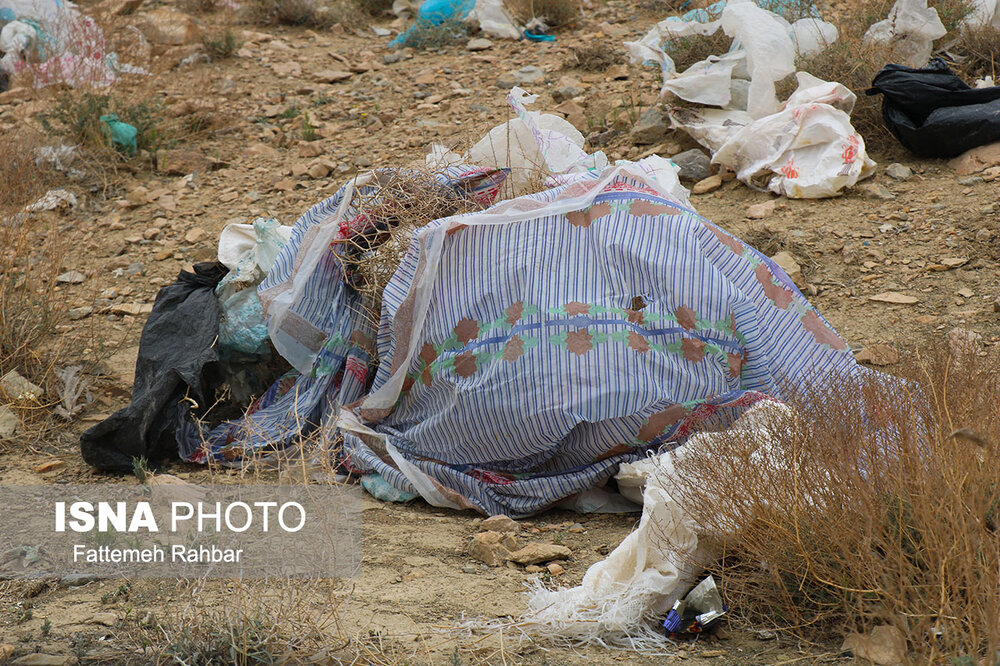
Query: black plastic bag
[[933, 112], [177, 359]]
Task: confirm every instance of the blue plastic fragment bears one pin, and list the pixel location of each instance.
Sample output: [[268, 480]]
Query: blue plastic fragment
[[535, 37]]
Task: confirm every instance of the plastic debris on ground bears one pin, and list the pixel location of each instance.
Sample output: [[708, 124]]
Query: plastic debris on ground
[[122, 135], [934, 113], [55, 42], [803, 148], [910, 29], [699, 611], [490, 15], [59, 199]]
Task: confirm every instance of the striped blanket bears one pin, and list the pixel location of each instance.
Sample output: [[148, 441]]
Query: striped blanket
[[526, 351]]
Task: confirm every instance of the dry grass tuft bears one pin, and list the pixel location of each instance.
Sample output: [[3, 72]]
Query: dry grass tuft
[[30, 256], [877, 503], [554, 13], [402, 201], [594, 57], [305, 13], [980, 46]]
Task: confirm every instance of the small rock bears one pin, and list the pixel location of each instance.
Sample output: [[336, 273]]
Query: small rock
[[151, 233], [963, 341], [391, 58], [470, 569], [17, 387], [76, 579], [567, 90], [575, 528], [169, 27], [765, 635], [897, 171], [694, 164], [135, 269], [536, 553], [50, 466], [651, 127], [45, 660], [478, 44], [878, 354], [500, 523], [318, 170], [886, 645], [996, 304], [311, 148], [876, 191], [976, 159], [6, 650], [522, 77], [75, 314], [533, 568], [790, 266], [710, 184], [492, 548], [984, 235], [762, 210], [106, 619], [9, 423], [709, 654], [195, 235], [182, 161], [71, 277], [331, 76], [894, 297], [972, 180], [132, 309], [555, 568]]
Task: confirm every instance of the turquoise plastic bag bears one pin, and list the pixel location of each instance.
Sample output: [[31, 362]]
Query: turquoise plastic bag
[[433, 12], [122, 135]]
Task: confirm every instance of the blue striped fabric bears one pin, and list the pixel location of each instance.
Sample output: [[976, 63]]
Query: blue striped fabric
[[553, 349]]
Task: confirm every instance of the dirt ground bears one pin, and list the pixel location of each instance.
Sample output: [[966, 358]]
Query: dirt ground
[[935, 240]]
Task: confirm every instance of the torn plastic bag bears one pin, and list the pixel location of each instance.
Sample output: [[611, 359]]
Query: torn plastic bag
[[494, 19], [533, 142], [984, 13], [700, 610], [807, 150], [433, 13], [933, 112], [177, 364], [910, 29], [253, 247]]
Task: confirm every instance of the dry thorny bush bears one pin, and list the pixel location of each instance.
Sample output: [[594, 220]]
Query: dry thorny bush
[[877, 502]]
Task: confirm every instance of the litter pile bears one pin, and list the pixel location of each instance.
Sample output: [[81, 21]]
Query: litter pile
[[57, 43]]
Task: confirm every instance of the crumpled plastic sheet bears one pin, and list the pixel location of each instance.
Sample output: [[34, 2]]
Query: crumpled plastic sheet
[[56, 43], [491, 16], [621, 598], [911, 29], [248, 251], [807, 150], [764, 50]]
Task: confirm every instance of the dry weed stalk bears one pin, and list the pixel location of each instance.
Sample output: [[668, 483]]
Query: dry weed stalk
[[877, 503], [400, 202]]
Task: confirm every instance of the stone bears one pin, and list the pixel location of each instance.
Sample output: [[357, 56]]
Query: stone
[[555, 568], [132, 309], [894, 297], [263, 150], [391, 58], [331, 75], [76, 579], [576, 528], [501, 523], [651, 127], [310, 148], [76, 314], [976, 159], [195, 235], [50, 466], [568, 89], [17, 387], [479, 44], [39, 659], [876, 191], [170, 27], [492, 548], [287, 69], [537, 553], [151, 233], [6, 650], [71, 277], [181, 162], [137, 196], [885, 645], [9, 423], [533, 568], [996, 304], [710, 184], [694, 164], [318, 170], [897, 171], [759, 211], [790, 266], [963, 341], [522, 77], [106, 619], [878, 354]]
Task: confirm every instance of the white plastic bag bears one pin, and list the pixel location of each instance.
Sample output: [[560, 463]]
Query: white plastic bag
[[769, 48], [911, 29], [494, 19], [533, 143]]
